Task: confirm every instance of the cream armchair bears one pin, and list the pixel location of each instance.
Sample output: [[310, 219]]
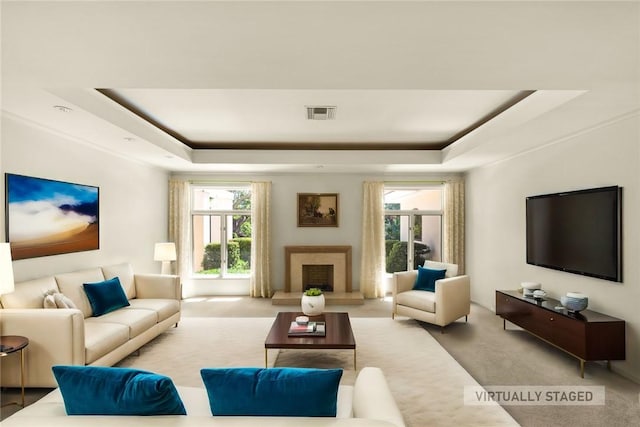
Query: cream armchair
[[450, 301]]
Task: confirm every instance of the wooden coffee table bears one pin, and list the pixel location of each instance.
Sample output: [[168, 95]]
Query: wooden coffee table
[[338, 336]]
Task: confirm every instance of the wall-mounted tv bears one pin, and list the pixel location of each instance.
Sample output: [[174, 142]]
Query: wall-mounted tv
[[577, 232]]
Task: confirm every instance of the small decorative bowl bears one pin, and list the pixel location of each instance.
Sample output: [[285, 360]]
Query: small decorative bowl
[[574, 304], [302, 320], [539, 294]]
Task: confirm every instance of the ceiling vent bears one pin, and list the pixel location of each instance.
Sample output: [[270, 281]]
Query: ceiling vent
[[324, 112]]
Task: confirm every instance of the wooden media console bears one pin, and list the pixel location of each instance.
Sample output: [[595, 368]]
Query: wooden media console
[[586, 335]]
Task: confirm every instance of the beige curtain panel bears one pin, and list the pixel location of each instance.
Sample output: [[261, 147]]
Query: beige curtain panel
[[179, 224], [260, 282], [454, 224], [372, 261]]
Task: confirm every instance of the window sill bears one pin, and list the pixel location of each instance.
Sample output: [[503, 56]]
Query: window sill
[[213, 277]]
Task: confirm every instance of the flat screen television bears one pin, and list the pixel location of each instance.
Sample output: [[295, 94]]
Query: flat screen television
[[577, 231]]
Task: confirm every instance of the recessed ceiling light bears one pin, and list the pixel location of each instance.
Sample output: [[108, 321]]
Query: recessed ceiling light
[[62, 108]]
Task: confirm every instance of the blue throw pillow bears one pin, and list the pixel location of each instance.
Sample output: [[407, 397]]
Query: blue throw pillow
[[292, 392], [100, 390], [106, 296], [426, 280]]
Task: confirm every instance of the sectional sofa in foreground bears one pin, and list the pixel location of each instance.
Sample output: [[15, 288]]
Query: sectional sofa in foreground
[[368, 403]]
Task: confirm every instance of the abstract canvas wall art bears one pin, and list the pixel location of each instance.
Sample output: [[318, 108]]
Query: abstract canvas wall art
[[47, 217]]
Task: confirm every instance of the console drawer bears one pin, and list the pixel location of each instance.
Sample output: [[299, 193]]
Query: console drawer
[[568, 334]]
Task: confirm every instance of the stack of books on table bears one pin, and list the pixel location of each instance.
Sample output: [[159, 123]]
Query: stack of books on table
[[311, 329]]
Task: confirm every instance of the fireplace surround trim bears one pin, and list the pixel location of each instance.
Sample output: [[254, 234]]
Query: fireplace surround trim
[[317, 249]]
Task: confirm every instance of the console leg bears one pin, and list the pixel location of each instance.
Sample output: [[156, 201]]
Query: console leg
[[266, 362], [465, 319], [581, 368], [504, 325]]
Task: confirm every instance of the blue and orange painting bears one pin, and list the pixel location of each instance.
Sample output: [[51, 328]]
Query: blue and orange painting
[[47, 217]]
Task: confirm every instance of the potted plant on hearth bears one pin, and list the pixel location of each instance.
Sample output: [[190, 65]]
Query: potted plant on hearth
[[312, 302]]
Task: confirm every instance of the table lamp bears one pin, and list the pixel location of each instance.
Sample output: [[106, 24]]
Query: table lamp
[[6, 270], [6, 276], [165, 252]]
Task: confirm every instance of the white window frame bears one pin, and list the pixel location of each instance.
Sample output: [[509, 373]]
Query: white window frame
[[412, 213], [225, 215]]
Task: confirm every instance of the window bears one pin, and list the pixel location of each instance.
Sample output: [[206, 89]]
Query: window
[[413, 226], [221, 231]]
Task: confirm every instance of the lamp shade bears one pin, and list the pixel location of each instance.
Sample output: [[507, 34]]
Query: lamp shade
[[165, 252], [6, 269]]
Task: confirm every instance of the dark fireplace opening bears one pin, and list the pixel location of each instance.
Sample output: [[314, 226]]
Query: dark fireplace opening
[[317, 276]]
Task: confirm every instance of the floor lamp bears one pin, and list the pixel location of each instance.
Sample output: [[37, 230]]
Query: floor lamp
[[165, 252]]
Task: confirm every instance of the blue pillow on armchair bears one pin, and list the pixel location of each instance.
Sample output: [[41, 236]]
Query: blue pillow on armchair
[[426, 280], [101, 390]]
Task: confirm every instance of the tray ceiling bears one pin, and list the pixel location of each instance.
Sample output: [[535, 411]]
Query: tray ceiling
[[277, 119]]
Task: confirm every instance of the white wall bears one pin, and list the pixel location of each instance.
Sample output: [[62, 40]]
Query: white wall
[[608, 155], [133, 198]]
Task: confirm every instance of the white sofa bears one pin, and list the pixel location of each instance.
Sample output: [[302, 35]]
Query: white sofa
[[450, 301], [73, 336], [368, 402]]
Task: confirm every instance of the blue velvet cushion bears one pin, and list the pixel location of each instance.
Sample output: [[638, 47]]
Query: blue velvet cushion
[[426, 280], [100, 390], [106, 296], [293, 392]]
